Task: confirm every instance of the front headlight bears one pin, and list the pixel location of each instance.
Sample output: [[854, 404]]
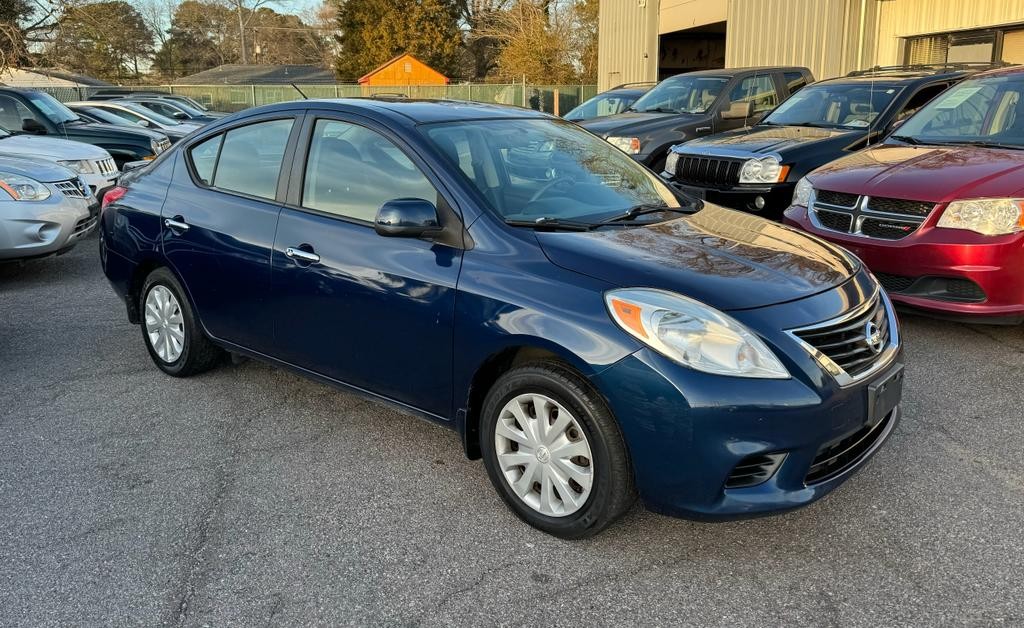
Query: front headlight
[[692, 333], [803, 192], [155, 146], [763, 170], [81, 166], [987, 216], [671, 162], [628, 145], [22, 188]]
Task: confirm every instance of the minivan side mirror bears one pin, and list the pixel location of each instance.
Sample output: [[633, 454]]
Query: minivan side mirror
[[31, 125], [407, 218], [739, 110]]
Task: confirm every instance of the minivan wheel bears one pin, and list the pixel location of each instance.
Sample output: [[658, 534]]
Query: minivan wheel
[[175, 341], [554, 451]]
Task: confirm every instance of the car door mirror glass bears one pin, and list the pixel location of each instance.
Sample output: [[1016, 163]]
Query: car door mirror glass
[[407, 218], [31, 125], [180, 115]]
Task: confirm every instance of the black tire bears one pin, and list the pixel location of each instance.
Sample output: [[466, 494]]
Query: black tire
[[613, 490], [198, 354]]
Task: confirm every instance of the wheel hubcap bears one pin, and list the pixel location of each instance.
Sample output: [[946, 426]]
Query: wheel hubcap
[[544, 455], [165, 325]]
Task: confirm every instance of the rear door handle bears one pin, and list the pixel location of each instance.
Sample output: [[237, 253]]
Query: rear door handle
[[175, 224], [302, 255]]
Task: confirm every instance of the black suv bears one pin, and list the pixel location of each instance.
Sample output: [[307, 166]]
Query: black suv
[[39, 113], [755, 169], [695, 104]]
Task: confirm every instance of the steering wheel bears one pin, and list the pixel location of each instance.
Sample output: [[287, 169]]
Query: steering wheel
[[549, 185]]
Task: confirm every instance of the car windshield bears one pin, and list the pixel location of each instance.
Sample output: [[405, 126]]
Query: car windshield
[[103, 115], [180, 105], [191, 102], [838, 105], [52, 108], [530, 170], [986, 111], [602, 105], [148, 114], [682, 94]]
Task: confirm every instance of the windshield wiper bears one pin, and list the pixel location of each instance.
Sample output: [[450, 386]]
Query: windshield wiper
[[984, 143], [552, 224], [640, 210], [906, 139], [659, 110]]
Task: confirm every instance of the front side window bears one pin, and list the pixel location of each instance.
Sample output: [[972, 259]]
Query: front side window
[[795, 81], [682, 94], [13, 114], [546, 169], [850, 105], [246, 159], [351, 171], [758, 89], [989, 110]]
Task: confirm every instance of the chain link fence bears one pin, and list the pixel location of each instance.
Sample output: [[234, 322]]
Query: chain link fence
[[557, 99]]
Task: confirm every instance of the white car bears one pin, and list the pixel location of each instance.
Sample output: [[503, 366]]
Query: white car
[[44, 208], [94, 164]]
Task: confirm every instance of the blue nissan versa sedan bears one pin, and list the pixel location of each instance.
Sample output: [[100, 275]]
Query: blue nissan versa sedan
[[586, 331]]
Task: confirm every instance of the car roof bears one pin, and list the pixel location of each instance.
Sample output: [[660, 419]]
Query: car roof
[[417, 111], [1007, 71], [731, 72], [898, 78]]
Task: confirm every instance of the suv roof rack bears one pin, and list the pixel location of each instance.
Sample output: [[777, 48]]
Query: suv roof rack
[[933, 68], [635, 84]]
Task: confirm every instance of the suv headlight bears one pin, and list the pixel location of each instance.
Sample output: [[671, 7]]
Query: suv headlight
[[763, 170], [22, 188], [671, 162], [81, 166], [803, 192], [692, 333], [628, 145], [987, 216], [155, 146]]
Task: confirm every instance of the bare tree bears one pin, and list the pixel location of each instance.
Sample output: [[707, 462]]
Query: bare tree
[[245, 10]]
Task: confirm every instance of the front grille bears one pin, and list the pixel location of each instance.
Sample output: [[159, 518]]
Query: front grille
[[708, 170], [836, 221], [845, 342], [900, 206], [106, 166], [73, 188], [835, 458], [754, 470], [841, 199], [958, 289], [162, 145], [964, 290], [885, 229], [895, 283]]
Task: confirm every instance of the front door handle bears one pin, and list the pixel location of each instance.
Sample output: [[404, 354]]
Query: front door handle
[[302, 255], [176, 224]]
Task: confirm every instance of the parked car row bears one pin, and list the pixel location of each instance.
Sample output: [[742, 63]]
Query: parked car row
[[57, 158], [914, 169]]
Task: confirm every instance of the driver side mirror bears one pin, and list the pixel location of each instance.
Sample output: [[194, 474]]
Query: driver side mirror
[[739, 110], [143, 123], [181, 115], [31, 125], [407, 218]]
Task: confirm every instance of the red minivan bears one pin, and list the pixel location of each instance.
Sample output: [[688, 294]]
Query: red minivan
[[936, 211]]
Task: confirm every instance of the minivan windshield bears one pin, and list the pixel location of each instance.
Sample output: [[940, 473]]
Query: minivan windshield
[[835, 105], [682, 94], [547, 170], [982, 111]]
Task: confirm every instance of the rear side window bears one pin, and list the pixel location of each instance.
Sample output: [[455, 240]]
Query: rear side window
[[794, 81], [247, 159]]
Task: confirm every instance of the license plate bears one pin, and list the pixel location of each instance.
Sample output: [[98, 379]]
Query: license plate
[[884, 395]]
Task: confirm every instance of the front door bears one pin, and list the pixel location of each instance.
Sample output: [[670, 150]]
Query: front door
[[218, 227], [371, 311]]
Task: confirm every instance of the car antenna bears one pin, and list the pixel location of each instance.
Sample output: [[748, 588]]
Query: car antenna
[[296, 87]]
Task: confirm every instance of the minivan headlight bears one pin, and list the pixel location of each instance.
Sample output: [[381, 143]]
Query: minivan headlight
[[802, 192], [22, 188], [81, 166], [987, 216], [628, 145], [692, 333], [763, 170]]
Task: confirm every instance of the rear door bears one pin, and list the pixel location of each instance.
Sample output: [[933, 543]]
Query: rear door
[[219, 221], [371, 311]]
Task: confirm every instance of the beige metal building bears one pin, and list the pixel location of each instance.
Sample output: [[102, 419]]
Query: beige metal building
[[646, 40]]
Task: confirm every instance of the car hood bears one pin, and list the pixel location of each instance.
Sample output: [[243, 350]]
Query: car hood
[[114, 132], [933, 174], [763, 139], [35, 168], [50, 148], [635, 122], [727, 259]]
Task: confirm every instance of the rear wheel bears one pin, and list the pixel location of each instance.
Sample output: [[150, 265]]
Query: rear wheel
[[172, 335], [554, 452]]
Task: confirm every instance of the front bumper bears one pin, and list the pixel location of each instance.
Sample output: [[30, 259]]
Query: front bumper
[[99, 184], [775, 198], [38, 228], [914, 268], [689, 433]]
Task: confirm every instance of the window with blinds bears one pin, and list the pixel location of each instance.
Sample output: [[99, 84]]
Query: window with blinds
[[927, 50]]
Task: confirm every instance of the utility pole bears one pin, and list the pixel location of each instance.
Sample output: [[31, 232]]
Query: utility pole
[[241, 32]]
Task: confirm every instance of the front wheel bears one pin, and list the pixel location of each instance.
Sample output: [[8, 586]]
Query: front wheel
[[172, 335], [554, 452]]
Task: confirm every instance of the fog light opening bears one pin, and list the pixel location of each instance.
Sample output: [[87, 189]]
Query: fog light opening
[[759, 202]]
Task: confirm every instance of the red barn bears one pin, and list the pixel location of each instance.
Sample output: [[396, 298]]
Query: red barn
[[404, 69]]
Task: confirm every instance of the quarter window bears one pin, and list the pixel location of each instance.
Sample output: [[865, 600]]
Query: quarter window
[[352, 171], [246, 159]]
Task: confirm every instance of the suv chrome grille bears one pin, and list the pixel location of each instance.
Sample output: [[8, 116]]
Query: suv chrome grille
[[106, 166], [872, 217], [72, 188], [854, 342], [708, 170]]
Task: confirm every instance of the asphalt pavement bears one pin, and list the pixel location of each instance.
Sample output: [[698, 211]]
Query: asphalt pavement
[[250, 496]]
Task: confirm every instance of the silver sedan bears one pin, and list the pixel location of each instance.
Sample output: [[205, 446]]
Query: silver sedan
[[44, 208]]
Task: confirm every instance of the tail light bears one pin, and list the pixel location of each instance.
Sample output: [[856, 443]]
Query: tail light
[[113, 195]]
